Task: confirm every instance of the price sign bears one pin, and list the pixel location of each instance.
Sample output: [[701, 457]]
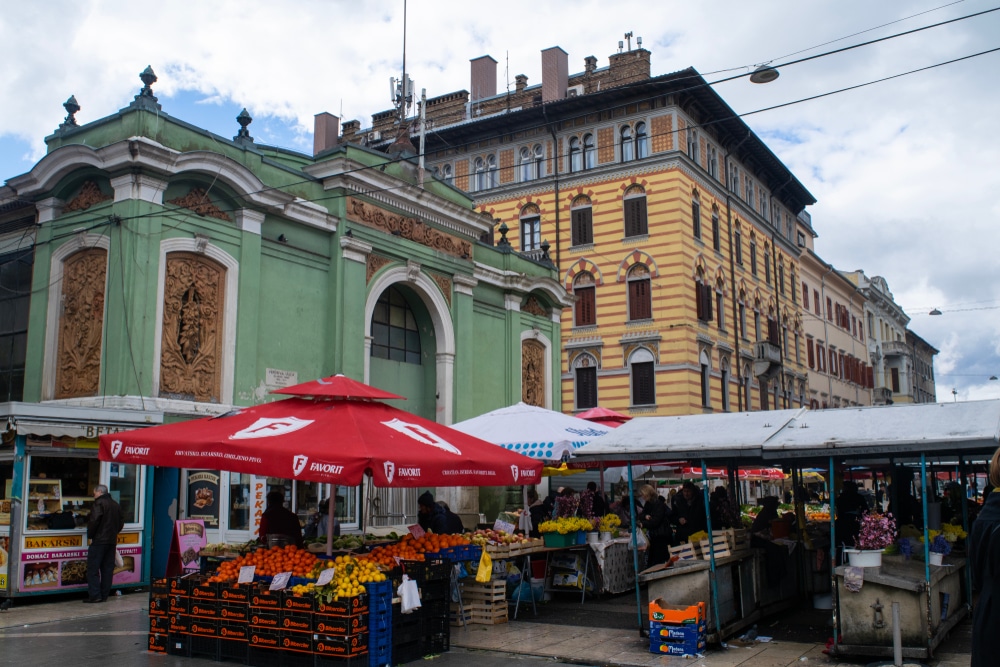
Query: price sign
[[500, 525], [398, 560], [325, 577], [246, 574], [280, 581], [416, 531]]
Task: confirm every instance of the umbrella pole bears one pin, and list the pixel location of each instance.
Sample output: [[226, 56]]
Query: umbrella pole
[[331, 512], [635, 551]]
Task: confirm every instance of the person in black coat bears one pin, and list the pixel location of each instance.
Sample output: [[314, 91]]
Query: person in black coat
[[688, 513], [984, 559], [430, 515], [106, 521], [538, 511], [653, 517]]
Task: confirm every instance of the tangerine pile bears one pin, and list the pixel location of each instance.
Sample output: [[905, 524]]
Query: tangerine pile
[[268, 562], [410, 548]]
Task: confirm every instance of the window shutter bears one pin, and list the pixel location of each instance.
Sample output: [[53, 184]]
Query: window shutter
[[772, 332], [639, 302], [632, 216], [699, 301], [586, 388], [706, 291], [586, 307], [810, 353], [582, 229]]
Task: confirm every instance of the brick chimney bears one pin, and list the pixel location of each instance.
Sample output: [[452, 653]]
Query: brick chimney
[[484, 78], [555, 74], [351, 130], [589, 65], [629, 67], [520, 82], [326, 129]]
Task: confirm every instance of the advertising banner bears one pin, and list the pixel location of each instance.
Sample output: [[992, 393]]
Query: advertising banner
[[52, 563], [203, 496]]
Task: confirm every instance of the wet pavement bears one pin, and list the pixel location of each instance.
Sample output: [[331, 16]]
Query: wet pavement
[[50, 631]]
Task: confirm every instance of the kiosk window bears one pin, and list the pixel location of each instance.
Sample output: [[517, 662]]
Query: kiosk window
[[124, 485], [60, 492], [239, 501], [6, 481]]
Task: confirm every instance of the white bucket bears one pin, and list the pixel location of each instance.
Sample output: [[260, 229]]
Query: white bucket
[[592, 537], [936, 558], [605, 536], [864, 558]]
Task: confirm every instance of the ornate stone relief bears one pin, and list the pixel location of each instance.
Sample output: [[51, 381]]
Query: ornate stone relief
[[444, 283], [534, 307], [375, 262], [408, 228], [81, 324], [88, 195], [197, 200], [584, 354], [533, 373], [651, 345], [191, 355]]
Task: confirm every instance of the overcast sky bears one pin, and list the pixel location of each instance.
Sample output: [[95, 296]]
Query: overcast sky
[[906, 172]]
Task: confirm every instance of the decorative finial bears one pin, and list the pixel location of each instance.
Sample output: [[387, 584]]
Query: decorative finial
[[243, 135], [503, 229], [146, 99], [545, 251], [71, 106]]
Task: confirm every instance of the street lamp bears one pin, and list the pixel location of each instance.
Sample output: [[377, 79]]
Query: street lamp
[[764, 74], [954, 393], [934, 312]]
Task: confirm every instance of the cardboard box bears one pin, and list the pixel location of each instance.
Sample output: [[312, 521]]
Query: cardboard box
[[660, 611], [673, 632], [676, 648]]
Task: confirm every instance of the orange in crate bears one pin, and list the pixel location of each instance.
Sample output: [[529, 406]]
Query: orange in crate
[[662, 612]]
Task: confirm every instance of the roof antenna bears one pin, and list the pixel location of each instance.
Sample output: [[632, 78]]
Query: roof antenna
[[401, 93]]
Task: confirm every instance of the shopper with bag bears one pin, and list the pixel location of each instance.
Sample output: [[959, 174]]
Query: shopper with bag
[[653, 517], [106, 521]]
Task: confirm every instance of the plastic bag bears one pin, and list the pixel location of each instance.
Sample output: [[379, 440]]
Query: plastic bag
[[409, 595], [118, 559], [641, 541], [485, 571]]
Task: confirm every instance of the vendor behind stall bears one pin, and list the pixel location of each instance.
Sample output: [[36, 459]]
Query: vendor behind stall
[[768, 513], [850, 506], [688, 513], [279, 521], [653, 517], [435, 518]]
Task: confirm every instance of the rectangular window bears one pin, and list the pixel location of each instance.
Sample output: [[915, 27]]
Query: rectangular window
[[816, 302], [716, 234], [586, 388], [820, 358], [840, 366], [643, 384], [833, 362], [706, 388], [635, 216], [894, 373], [805, 294], [743, 320], [810, 354], [720, 310], [586, 306], [531, 233], [692, 137], [639, 304], [15, 295], [696, 219], [738, 241], [753, 258], [582, 226], [798, 354], [773, 335], [829, 309], [703, 295], [767, 268]]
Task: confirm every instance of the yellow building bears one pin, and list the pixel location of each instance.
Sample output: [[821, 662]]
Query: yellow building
[[671, 222]]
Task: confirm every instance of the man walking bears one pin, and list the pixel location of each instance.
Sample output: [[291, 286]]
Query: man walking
[[106, 521]]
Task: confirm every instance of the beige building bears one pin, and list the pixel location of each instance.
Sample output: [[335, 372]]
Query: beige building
[[922, 388], [833, 311]]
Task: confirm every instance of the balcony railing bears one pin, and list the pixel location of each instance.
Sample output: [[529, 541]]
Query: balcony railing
[[895, 348]]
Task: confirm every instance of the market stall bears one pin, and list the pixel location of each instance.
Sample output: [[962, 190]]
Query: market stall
[[337, 434]]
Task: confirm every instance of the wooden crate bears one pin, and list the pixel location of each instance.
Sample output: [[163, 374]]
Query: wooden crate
[[685, 551], [721, 547], [494, 591], [737, 539], [498, 551], [459, 618], [484, 613]]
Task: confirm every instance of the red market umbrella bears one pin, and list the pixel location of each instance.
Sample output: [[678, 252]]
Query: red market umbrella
[[604, 416], [337, 386], [328, 441]]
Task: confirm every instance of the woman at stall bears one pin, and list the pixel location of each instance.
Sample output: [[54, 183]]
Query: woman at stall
[[652, 517], [688, 512], [984, 559]]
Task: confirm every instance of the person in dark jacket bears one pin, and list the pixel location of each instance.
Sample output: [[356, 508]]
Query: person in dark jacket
[[538, 512], [688, 512], [106, 521], [984, 559], [653, 517], [430, 515], [452, 522], [850, 506], [278, 520], [724, 515]]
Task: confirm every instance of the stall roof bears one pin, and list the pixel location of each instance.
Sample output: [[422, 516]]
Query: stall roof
[[882, 431], [889, 430], [689, 437]]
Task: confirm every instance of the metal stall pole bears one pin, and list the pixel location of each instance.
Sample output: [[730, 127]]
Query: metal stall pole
[[635, 550], [965, 527], [834, 598], [927, 548], [712, 583]]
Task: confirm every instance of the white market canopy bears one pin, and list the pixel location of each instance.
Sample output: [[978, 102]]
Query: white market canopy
[[532, 431], [781, 434]]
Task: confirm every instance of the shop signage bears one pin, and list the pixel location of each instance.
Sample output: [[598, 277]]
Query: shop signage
[[203, 496], [128, 538], [66, 569], [53, 542], [4, 560], [278, 378], [259, 496]]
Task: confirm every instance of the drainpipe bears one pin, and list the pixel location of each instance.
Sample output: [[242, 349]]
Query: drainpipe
[[555, 174], [732, 272]]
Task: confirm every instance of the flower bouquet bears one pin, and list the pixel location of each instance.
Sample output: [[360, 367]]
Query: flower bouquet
[[940, 545], [877, 531], [609, 523], [566, 506]]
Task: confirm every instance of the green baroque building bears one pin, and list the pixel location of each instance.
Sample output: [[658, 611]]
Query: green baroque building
[[154, 271]]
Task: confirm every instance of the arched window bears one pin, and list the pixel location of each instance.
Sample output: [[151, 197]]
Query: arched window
[[628, 154], [527, 165], [640, 303], [756, 320], [747, 380], [753, 254], [585, 381], [635, 212], [531, 229], [589, 152], [539, 156], [767, 263], [793, 285], [724, 383], [703, 296], [716, 232], [743, 314], [643, 375], [575, 155], [706, 378], [491, 167], [713, 161], [585, 308], [696, 215], [479, 175], [641, 141], [581, 221], [394, 331], [738, 243], [720, 303]]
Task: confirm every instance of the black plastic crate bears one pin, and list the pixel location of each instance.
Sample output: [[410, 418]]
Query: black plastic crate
[[204, 647], [159, 587], [401, 636], [233, 649], [431, 591], [264, 657], [179, 645], [336, 661], [403, 653], [293, 659], [437, 643]]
